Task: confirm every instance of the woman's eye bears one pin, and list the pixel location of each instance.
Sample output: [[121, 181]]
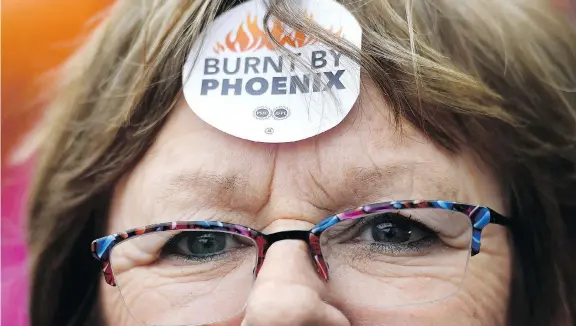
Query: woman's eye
[[391, 232], [195, 245], [393, 229], [202, 244]]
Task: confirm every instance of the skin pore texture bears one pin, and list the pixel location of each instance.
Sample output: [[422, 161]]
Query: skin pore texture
[[195, 172]]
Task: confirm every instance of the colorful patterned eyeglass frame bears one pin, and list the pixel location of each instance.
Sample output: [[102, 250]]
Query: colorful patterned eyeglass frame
[[479, 217]]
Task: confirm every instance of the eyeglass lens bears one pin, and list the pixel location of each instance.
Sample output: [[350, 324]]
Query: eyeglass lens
[[192, 277]]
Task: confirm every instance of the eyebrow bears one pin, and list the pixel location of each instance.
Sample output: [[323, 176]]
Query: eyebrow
[[221, 188], [379, 183], [360, 186]]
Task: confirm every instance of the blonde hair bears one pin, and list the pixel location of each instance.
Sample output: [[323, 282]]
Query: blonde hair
[[493, 77]]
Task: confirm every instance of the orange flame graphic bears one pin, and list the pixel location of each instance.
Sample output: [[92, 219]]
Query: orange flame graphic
[[250, 37]]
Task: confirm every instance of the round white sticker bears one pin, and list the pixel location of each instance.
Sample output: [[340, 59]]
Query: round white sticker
[[237, 82]]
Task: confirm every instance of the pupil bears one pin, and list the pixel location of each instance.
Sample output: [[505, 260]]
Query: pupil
[[391, 232], [207, 243]]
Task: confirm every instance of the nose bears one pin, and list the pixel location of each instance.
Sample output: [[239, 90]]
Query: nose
[[288, 291]]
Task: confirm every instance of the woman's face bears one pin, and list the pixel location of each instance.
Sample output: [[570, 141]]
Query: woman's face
[[195, 172]]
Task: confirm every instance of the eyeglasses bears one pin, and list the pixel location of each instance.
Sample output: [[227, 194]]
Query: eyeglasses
[[379, 255]]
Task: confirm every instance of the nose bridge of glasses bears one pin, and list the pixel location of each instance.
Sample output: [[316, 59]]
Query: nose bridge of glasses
[[288, 235], [313, 245]]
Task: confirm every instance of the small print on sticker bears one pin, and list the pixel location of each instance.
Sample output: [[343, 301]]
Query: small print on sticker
[[235, 80]]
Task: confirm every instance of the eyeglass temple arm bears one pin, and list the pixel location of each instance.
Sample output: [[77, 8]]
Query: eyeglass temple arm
[[499, 219]]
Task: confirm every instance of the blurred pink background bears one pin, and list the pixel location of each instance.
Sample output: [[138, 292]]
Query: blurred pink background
[[14, 283]]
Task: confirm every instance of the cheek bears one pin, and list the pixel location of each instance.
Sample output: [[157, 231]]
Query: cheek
[[114, 309], [487, 283], [174, 295], [447, 312], [401, 282], [460, 309], [473, 306], [481, 300]]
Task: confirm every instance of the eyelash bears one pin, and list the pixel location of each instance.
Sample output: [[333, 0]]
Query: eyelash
[[393, 248]]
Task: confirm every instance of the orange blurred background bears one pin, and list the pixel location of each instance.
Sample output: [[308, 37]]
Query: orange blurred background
[[37, 35]]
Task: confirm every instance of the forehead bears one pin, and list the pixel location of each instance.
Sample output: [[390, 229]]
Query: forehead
[[194, 171]]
